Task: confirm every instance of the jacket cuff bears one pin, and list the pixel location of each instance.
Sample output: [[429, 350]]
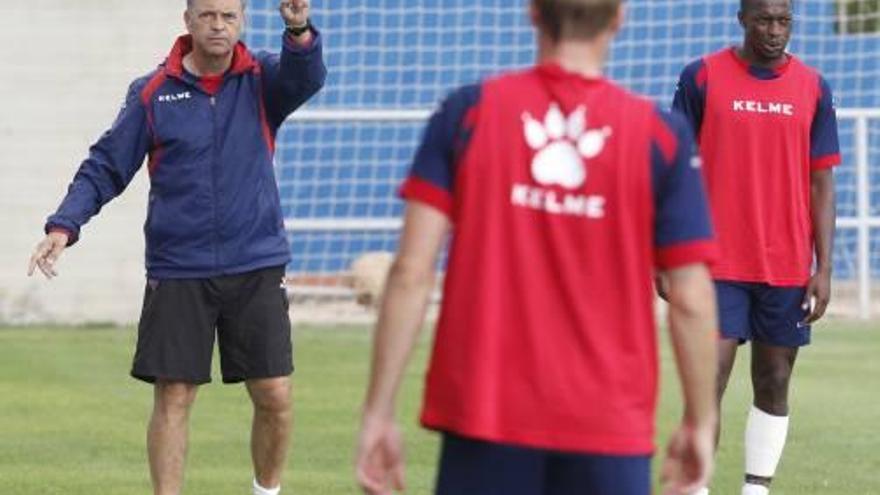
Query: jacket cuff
[[72, 234], [292, 46]]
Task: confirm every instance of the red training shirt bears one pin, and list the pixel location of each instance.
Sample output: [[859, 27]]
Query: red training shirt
[[761, 133], [565, 194]]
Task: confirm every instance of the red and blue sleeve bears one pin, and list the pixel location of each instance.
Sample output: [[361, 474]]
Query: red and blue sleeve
[[111, 165], [690, 95], [432, 177], [824, 141], [682, 223]]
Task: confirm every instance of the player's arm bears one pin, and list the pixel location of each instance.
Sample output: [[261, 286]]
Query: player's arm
[[112, 163], [407, 292], [690, 95], [824, 154], [298, 73], [693, 322], [689, 101], [824, 213], [429, 213], [684, 244]]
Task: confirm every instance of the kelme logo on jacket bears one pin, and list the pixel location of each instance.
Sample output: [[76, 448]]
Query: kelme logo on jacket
[[185, 95]]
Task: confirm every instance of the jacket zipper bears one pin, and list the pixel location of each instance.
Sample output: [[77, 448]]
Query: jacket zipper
[[214, 204]]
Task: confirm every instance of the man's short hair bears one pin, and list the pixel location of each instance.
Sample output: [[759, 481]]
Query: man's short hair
[[576, 19], [189, 4], [745, 5]]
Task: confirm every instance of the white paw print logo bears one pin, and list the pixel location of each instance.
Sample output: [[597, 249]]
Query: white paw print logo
[[562, 145]]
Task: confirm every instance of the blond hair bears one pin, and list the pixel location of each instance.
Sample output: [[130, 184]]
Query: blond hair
[[576, 19]]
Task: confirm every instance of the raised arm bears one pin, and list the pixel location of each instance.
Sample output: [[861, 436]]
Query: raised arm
[[112, 163], [294, 76]]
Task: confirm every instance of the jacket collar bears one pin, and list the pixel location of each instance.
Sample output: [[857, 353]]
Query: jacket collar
[[242, 60]]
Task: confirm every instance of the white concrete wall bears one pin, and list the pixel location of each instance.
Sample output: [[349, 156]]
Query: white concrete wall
[[66, 66]]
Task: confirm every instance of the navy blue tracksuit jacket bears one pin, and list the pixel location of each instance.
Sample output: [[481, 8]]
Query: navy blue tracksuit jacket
[[214, 207]]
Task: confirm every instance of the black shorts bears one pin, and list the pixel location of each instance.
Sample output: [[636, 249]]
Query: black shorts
[[248, 312]]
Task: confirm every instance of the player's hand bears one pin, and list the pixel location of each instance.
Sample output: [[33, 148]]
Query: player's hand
[[47, 253], [294, 12], [818, 296], [379, 461], [689, 460]]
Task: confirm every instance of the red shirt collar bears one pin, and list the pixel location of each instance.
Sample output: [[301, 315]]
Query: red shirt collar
[[242, 60], [553, 69], [778, 71]]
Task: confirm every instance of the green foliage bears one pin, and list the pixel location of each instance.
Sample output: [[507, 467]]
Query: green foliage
[[72, 422], [857, 16]]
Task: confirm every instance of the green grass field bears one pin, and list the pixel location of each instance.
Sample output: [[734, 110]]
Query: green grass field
[[72, 422]]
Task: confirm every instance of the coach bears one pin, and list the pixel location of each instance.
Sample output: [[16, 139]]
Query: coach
[[216, 247]]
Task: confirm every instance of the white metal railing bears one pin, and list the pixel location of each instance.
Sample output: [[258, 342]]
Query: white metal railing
[[350, 115], [863, 222], [363, 115]]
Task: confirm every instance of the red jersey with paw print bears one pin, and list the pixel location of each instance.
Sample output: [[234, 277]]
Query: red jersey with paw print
[[565, 194]]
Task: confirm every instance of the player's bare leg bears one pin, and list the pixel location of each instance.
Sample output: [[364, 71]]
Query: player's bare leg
[[167, 435], [726, 358], [271, 428], [768, 421]]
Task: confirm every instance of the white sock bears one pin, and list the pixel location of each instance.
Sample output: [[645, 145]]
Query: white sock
[[701, 491], [765, 439], [259, 490], [750, 489]]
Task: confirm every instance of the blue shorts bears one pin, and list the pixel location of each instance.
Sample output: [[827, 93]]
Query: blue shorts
[[763, 313], [473, 467]]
